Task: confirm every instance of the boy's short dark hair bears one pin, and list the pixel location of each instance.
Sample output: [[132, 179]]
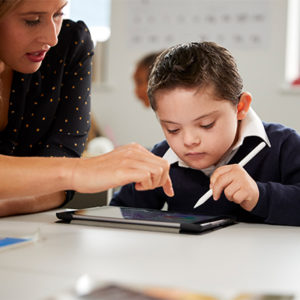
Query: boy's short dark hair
[[196, 65]]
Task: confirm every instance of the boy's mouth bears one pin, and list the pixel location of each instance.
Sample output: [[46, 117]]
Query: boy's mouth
[[195, 155]]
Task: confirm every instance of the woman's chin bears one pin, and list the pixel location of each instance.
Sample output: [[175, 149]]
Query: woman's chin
[[28, 69]]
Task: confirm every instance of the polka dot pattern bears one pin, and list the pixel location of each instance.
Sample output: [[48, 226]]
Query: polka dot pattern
[[49, 111]]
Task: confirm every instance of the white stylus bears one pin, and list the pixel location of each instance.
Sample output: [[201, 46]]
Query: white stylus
[[242, 163]]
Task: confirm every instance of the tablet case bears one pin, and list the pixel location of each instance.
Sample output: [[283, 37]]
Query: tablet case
[[144, 219]]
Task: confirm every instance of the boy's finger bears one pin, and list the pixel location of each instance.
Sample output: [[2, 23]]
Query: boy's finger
[[220, 184], [219, 172], [231, 191]]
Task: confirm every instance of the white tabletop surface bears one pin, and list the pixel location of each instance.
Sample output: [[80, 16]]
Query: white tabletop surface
[[240, 258]]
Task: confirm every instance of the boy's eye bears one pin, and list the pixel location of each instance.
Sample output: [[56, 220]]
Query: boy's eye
[[208, 126], [173, 131]]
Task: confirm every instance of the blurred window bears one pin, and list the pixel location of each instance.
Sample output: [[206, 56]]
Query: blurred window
[[292, 72], [95, 13]]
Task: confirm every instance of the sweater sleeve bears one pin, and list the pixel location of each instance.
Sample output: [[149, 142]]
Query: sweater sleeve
[[279, 201]]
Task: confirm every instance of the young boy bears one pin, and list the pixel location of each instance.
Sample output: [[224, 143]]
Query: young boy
[[196, 92]]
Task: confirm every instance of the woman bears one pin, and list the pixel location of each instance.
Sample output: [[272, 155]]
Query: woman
[[45, 114]]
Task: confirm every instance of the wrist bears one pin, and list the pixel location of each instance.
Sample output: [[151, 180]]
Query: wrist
[[66, 173]]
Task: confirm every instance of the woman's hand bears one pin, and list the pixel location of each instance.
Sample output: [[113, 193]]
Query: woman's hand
[[237, 184], [125, 164]]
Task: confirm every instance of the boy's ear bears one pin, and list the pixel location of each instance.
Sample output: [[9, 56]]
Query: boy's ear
[[243, 105]]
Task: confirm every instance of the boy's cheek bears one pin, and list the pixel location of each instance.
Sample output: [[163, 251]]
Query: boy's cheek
[[172, 141]]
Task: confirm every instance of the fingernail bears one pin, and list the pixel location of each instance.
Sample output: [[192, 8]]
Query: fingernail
[[172, 192]]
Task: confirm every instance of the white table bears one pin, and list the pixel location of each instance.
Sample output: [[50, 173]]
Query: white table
[[239, 258]]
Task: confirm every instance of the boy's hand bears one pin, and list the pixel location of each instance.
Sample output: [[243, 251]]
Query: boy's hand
[[237, 184]]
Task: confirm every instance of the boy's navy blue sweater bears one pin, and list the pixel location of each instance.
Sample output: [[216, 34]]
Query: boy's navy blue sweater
[[276, 171]]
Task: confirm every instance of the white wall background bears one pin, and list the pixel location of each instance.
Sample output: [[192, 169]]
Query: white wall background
[[123, 118]]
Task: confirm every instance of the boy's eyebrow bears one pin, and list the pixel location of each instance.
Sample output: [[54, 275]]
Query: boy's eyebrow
[[197, 119]]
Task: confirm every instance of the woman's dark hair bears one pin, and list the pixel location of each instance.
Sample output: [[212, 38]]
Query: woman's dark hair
[[196, 65]]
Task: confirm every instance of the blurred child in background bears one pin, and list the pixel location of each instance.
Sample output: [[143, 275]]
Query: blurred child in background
[[141, 76]]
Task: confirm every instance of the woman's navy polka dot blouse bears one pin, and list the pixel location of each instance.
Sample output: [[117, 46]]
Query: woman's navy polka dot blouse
[[49, 110]]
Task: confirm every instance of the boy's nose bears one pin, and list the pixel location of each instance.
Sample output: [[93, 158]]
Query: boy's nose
[[190, 138]]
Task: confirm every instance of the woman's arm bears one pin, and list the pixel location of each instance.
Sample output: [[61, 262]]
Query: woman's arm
[[31, 178], [31, 204]]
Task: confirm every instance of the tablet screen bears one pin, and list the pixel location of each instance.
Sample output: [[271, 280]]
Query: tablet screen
[[144, 214]]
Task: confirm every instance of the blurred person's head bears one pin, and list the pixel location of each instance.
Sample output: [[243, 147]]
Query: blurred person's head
[[141, 76]]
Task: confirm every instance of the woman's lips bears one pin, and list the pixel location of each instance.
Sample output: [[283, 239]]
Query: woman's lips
[[37, 56]]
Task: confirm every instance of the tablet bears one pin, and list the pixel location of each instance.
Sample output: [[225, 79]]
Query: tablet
[[144, 219]]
